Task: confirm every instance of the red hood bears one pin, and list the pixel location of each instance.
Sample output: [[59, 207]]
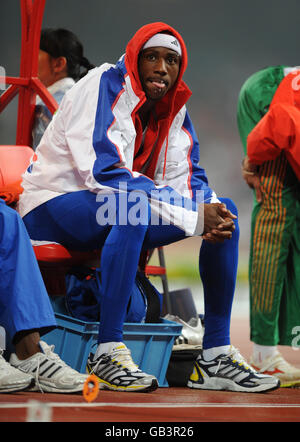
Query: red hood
[[167, 105], [166, 108]]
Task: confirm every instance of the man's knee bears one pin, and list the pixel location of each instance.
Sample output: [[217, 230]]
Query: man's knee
[[230, 205], [233, 209]]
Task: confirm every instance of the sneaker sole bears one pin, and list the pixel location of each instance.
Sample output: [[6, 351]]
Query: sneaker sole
[[104, 385], [45, 388], [228, 385], [289, 384]]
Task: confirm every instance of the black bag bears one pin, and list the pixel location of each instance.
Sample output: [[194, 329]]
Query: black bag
[[181, 366], [83, 297], [153, 296]]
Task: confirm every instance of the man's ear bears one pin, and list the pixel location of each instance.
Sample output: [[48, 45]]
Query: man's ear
[[60, 64]]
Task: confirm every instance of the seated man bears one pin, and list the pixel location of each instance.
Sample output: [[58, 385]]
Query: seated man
[[26, 314], [117, 169]]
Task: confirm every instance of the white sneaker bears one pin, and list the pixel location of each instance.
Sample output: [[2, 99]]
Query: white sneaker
[[277, 366], [52, 375], [229, 372], [12, 379], [117, 371]]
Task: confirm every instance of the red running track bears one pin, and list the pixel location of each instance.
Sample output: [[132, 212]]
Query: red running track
[[166, 405]]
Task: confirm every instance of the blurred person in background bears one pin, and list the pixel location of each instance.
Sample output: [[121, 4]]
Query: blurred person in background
[[61, 63]]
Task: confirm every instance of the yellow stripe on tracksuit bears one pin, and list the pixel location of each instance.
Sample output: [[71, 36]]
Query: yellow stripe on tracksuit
[[267, 235]]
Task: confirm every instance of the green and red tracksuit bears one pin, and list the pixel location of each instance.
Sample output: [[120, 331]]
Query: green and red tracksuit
[[269, 114]]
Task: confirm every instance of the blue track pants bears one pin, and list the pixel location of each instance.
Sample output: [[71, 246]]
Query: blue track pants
[[24, 302], [71, 220]]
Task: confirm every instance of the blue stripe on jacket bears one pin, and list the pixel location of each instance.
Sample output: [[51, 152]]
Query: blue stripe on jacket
[[199, 179]]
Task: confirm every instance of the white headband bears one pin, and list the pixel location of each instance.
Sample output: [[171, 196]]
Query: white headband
[[165, 41]]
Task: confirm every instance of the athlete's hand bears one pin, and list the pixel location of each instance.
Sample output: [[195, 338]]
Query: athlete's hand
[[218, 222], [250, 175]]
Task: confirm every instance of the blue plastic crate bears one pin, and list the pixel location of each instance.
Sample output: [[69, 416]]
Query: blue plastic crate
[[150, 344]]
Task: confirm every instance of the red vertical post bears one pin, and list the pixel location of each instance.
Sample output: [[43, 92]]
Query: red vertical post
[[31, 18], [27, 85]]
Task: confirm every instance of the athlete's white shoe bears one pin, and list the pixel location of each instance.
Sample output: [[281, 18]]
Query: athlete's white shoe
[[51, 374], [12, 379], [117, 371], [277, 366], [229, 372]]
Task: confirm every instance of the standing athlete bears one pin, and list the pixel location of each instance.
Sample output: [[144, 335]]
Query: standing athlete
[[267, 110]]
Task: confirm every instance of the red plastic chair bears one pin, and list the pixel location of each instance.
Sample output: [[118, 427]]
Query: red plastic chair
[[14, 160], [55, 261]]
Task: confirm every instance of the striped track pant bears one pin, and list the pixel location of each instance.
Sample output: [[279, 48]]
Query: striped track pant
[[274, 266]]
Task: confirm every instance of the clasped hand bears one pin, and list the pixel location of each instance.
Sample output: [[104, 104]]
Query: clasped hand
[[218, 222]]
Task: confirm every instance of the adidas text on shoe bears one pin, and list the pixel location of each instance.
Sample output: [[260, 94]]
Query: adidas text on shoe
[[12, 379], [52, 375], [116, 371], [277, 366], [229, 372]]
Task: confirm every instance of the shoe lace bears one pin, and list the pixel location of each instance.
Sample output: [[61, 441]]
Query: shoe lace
[[123, 358], [49, 353], [236, 356]]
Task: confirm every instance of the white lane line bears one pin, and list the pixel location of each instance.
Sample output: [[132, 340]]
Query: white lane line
[[147, 405]]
